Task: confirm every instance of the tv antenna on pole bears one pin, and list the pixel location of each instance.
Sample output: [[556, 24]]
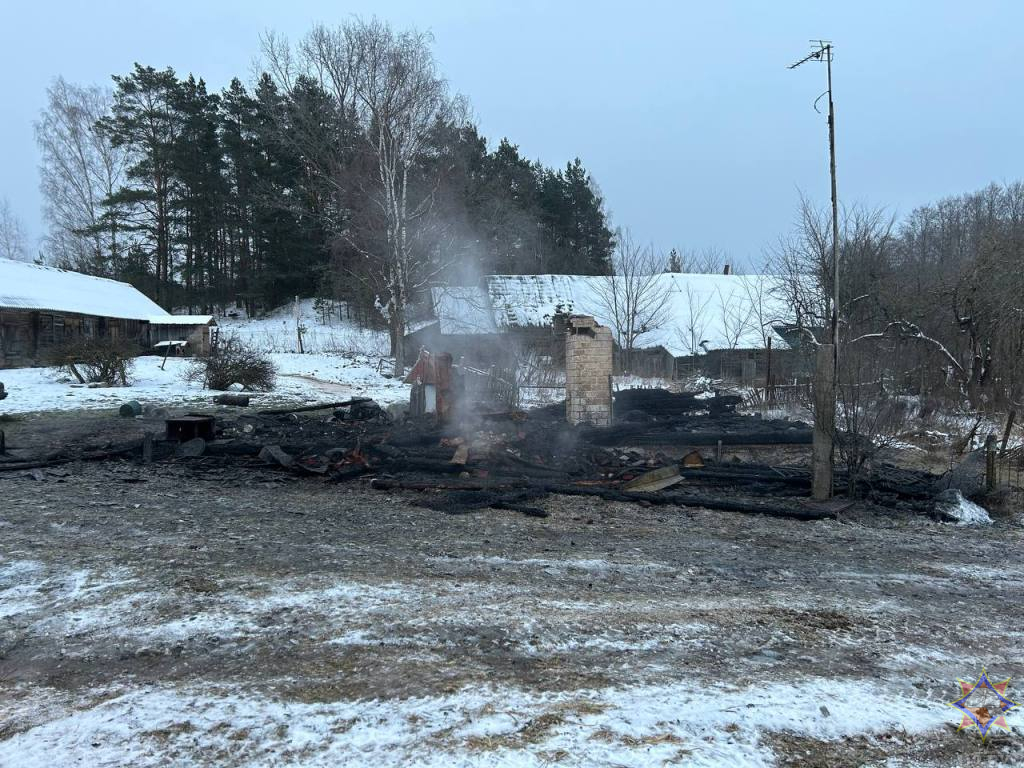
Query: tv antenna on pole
[[825, 403]]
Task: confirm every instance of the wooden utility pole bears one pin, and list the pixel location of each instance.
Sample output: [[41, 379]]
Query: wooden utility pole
[[826, 375], [822, 452]]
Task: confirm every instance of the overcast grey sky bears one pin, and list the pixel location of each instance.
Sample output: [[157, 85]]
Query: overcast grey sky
[[684, 112]]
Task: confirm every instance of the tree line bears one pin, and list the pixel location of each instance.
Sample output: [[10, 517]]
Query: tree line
[[348, 170], [930, 304]]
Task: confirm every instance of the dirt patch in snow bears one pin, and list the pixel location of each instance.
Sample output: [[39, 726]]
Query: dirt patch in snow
[[247, 617]]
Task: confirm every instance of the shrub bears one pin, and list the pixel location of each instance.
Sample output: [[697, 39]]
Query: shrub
[[230, 361], [108, 361]]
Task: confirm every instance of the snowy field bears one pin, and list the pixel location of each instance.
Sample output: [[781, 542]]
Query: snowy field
[[322, 333], [341, 361], [301, 379]]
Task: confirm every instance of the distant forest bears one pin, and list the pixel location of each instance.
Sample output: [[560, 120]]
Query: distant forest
[[348, 170]]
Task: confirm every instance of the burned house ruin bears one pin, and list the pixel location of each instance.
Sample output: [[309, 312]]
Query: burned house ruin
[[724, 326]]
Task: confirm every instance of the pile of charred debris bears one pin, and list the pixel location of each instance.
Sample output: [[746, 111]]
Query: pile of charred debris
[[663, 448]]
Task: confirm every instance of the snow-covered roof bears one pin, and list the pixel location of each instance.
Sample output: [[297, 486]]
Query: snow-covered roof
[[181, 320], [35, 287], [463, 309], [722, 311]]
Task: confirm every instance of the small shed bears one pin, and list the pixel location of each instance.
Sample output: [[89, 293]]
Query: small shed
[[196, 331]]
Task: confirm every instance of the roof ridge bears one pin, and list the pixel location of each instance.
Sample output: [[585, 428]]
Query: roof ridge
[[51, 268]]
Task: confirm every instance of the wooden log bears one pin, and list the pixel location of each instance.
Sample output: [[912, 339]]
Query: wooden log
[[191, 449], [274, 454], [386, 484], [242, 401], [317, 407], [54, 461], [794, 511]]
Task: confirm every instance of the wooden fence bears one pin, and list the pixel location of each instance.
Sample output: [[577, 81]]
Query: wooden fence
[[778, 395], [1004, 468]]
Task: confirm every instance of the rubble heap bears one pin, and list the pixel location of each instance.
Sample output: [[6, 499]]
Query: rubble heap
[[663, 449]]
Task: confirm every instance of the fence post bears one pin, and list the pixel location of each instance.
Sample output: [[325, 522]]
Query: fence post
[[991, 480], [1010, 417]]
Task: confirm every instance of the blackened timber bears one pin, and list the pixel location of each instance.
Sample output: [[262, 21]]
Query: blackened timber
[[316, 407]]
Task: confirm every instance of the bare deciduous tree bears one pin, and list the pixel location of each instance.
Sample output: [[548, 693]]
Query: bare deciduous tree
[[79, 168], [870, 416], [802, 259], [763, 310], [706, 261], [692, 328], [389, 83], [635, 297], [737, 317], [13, 241]]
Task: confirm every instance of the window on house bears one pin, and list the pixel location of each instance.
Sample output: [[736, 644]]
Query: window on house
[[46, 330]]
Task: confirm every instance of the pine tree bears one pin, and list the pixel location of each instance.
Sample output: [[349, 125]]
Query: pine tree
[[239, 140], [675, 263], [144, 121], [198, 201]]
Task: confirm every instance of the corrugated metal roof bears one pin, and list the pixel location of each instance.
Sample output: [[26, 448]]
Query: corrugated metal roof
[[35, 287], [180, 319]]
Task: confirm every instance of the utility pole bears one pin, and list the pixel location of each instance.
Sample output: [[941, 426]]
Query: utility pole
[[825, 380]]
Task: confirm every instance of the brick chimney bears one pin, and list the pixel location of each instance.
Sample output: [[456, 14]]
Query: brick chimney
[[588, 372]]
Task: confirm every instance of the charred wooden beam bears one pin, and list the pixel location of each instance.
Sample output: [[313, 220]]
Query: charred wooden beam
[[316, 407]]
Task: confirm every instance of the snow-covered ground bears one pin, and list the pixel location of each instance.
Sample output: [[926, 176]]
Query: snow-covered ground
[[341, 361], [496, 724], [322, 333], [644, 726], [301, 379]]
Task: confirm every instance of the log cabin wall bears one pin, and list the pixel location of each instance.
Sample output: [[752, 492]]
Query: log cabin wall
[[32, 337]]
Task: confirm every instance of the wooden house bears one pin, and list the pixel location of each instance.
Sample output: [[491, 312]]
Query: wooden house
[[43, 309]]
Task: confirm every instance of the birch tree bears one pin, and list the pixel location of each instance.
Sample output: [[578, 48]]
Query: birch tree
[[79, 169], [389, 84]]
